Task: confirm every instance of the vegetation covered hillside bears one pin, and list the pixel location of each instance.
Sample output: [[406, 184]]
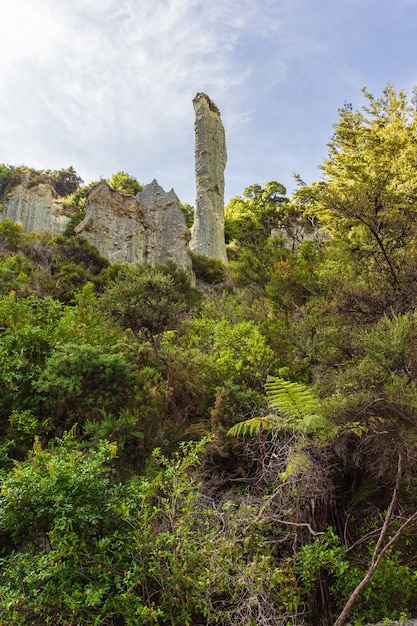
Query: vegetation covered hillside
[[242, 452]]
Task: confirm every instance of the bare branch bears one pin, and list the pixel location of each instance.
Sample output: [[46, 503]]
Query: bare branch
[[298, 525], [380, 550]]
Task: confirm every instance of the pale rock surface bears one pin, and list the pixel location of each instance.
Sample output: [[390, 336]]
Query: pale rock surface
[[35, 208], [147, 228], [114, 223], [207, 234], [168, 235]]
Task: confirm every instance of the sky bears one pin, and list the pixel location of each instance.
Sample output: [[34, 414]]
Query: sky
[[107, 85]]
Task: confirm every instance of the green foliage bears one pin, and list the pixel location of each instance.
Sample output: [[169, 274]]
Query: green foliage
[[249, 220], [69, 493], [37, 262], [391, 593], [296, 409], [76, 219], [281, 265], [75, 263], [188, 212], [325, 552], [218, 367], [53, 526], [11, 175], [11, 236], [251, 427], [369, 192], [80, 381], [146, 299], [237, 350], [308, 362], [153, 551], [65, 181], [292, 276], [16, 273], [208, 269], [24, 427], [77, 201], [296, 405], [121, 181], [5, 173], [26, 339]]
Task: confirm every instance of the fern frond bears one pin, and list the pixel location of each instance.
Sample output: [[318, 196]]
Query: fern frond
[[297, 406], [251, 427], [294, 400]]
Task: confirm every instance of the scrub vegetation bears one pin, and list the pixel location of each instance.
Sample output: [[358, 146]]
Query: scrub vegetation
[[239, 452]]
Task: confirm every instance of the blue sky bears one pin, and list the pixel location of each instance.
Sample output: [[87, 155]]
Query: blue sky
[[107, 85]]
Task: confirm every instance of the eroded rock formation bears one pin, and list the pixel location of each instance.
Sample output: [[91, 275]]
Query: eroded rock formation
[[207, 235], [147, 228], [35, 208], [114, 223], [168, 235]]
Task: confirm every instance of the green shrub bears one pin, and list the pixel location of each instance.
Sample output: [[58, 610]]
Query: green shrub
[[154, 551], [208, 269], [83, 381], [121, 181]]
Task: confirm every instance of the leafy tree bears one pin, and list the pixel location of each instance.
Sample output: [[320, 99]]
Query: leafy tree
[[156, 550], [264, 229], [146, 299], [5, 174], [249, 220], [65, 181], [26, 340], [11, 236], [69, 493], [77, 200], [121, 181], [208, 269], [75, 263], [368, 196], [219, 366], [14, 175]]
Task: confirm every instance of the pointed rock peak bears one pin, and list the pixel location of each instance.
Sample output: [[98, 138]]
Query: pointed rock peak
[[153, 193], [151, 188]]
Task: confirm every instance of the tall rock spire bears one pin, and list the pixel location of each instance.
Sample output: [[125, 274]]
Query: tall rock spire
[[207, 234]]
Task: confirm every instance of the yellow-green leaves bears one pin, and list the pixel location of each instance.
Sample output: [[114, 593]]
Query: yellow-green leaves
[[295, 408]]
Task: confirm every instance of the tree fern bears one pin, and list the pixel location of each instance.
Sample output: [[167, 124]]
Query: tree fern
[[297, 407], [294, 408], [252, 426]]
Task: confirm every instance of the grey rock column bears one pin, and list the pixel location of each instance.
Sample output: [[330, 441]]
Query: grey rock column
[[207, 234]]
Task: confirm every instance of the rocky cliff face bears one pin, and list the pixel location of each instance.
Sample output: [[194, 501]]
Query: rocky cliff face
[[149, 227], [167, 235], [207, 235], [35, 208]]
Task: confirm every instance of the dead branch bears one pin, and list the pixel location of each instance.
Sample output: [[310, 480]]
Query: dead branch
[[380, 550]]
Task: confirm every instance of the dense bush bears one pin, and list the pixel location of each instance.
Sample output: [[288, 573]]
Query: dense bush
[[238, 455]]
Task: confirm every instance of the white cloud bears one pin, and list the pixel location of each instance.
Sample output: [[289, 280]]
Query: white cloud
[[108, 84], [90, 79]]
